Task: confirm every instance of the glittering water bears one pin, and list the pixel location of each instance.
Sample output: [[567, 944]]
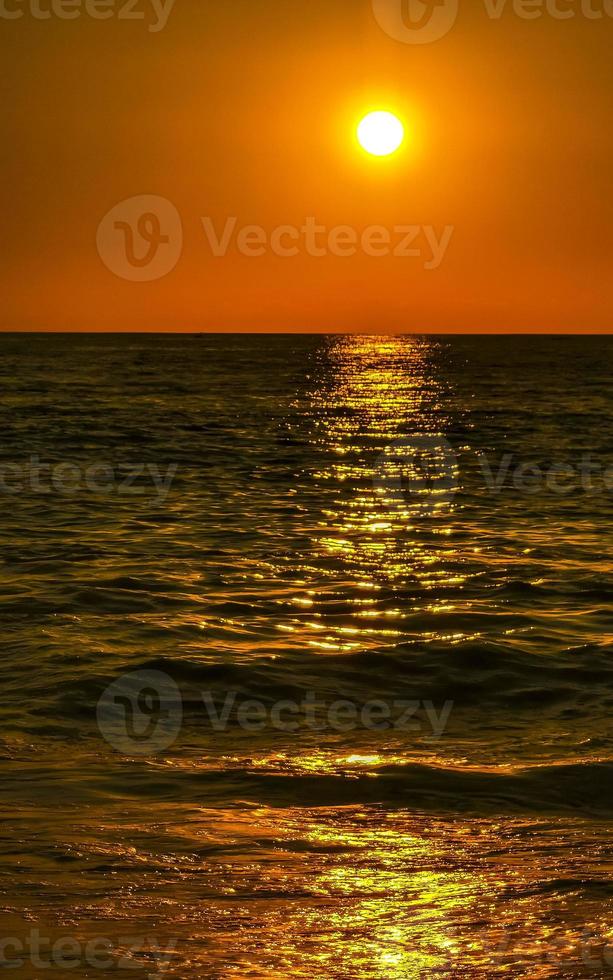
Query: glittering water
[[418, 528]]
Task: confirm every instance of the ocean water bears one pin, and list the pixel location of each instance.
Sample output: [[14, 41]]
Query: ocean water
[[209, 542]]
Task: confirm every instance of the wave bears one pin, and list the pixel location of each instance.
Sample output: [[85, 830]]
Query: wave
[[579, 789], [474, 676]]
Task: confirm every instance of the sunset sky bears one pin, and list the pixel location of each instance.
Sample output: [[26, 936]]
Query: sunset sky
[[247, 110]]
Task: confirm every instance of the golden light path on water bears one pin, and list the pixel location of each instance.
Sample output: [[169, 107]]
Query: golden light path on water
[[344, 892], [385, 545], [388, 482]]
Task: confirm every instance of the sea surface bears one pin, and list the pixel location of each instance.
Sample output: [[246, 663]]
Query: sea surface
[[207, 543]]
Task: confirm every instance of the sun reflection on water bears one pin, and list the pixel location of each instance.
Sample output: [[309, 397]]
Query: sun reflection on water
[[370, 394], [358, 892]]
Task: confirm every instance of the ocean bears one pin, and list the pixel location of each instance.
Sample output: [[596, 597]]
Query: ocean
[[307, 656]]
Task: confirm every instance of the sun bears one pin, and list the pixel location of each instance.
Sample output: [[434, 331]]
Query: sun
[[380, 133]]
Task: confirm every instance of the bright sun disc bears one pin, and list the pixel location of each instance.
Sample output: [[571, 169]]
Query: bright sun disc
[[380, 133]]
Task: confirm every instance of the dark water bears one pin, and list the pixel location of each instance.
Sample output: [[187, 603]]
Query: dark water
[[194, 523]]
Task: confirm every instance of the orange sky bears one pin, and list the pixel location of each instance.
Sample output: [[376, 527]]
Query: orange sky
[[246, 110]]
